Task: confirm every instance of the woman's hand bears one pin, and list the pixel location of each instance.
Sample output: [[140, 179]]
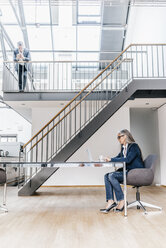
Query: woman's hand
[[107, 159]]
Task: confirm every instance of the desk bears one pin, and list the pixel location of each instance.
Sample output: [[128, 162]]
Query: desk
[[46, 165]]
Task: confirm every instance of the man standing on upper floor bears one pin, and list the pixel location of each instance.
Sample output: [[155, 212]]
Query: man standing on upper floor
[[21, 54]]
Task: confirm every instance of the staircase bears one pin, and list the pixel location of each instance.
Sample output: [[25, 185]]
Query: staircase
[[97, 102], [65, 133], [70, 122]]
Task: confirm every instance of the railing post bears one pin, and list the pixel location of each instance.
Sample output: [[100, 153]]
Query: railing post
[[70, 121], [147, 58], [42, 148], [163, 61], [157, 61], [36, 149], [80, 112], [152, 62], [142, 62], [64, 128], [47, 145], [31, 152], [52, 139]]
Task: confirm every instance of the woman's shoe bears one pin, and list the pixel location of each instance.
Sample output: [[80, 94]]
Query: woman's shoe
[[106, 210], [119, 209]]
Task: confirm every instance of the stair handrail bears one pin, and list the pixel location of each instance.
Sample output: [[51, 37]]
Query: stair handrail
[[76, 96]]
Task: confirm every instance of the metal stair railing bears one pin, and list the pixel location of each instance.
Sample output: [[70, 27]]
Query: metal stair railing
[[139, 61]]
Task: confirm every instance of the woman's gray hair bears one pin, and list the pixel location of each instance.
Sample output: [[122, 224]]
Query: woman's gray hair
[[129, 136]]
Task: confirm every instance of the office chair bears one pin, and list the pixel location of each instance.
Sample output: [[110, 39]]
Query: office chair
[[142, 177], [3, 182]]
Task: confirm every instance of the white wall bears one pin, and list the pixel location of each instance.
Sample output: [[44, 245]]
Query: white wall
[[162, 141], [104, 141], [144, 127], [12, 123], [146, 25], [41, 116]]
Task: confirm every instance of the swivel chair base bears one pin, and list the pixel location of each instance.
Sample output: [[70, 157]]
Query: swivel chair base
[[3, 208], [139, 204]]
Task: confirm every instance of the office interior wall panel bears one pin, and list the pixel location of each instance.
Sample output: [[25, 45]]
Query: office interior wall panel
[[144, 127]]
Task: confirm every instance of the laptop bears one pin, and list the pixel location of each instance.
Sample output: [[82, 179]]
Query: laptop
[[92, 160], [89, 158], [89, 155]]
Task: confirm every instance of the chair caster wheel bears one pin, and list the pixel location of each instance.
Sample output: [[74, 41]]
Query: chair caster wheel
[[138, 207]]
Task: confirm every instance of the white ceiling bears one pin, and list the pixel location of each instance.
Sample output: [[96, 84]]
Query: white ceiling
[[146, 103], [25, 108]]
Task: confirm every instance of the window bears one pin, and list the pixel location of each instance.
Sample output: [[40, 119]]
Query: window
[[8, 138]]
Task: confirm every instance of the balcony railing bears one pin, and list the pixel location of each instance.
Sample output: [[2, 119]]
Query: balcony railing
[[51, 76], [148, 61]]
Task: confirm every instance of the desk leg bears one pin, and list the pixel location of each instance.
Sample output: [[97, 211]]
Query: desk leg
[[125, 189]]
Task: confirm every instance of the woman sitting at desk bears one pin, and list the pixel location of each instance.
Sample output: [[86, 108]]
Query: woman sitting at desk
[[131, 154]]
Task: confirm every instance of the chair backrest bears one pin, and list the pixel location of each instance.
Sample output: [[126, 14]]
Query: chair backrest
[[142, 177], [150, 162]]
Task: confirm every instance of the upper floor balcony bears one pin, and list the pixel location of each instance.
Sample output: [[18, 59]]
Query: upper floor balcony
[[62, 80]]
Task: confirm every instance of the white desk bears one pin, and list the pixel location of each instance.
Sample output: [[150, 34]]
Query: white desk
[[71, 165]]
